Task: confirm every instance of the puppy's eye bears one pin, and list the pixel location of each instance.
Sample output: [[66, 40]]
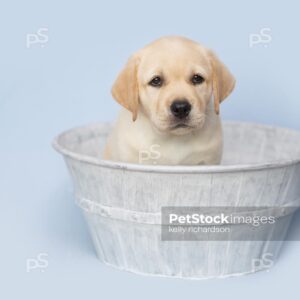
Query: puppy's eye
[[156, 81], [197, 79]]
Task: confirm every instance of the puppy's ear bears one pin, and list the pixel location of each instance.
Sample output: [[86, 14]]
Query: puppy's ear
[[222, 80], [125, 89]]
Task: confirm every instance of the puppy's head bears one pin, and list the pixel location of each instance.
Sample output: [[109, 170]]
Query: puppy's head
[[172, 81]]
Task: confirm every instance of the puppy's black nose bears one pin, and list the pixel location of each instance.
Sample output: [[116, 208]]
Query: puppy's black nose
[[181, 108]]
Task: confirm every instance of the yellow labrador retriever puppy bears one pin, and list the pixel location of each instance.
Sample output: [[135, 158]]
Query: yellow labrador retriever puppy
[[171, 91]]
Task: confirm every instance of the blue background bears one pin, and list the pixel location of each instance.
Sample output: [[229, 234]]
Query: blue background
[[66, 82]]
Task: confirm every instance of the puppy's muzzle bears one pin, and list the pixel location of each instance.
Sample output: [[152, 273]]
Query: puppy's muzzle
[[180, 108]]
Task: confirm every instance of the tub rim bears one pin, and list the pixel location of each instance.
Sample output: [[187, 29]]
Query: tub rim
[[182, 169]]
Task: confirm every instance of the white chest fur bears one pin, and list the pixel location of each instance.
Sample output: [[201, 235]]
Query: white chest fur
[[139, 142]]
